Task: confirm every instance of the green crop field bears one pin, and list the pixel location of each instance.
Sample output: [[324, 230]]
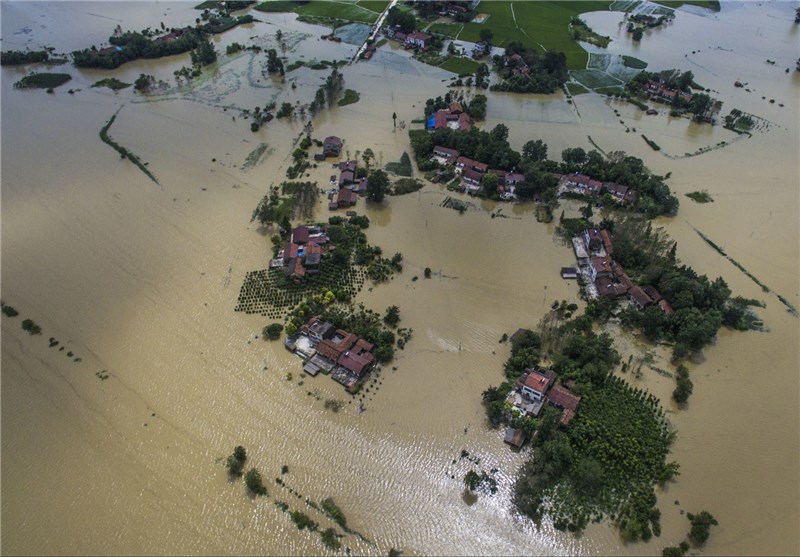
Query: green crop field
[[460, 66], [446, 29], [338, 10], [373, 5], [594, 79], [534, 23], [334, 10]]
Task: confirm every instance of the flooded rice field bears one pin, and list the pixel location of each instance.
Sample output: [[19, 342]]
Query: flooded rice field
[[138, 281]]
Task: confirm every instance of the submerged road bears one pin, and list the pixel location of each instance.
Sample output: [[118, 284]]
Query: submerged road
[[374, 32]]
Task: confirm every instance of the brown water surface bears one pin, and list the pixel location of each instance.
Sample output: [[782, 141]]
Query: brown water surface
[[140, 279]]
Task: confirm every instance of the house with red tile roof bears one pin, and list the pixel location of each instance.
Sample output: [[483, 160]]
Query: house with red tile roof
[[566, 400], [535, 385], [639, 298], [346, 198]]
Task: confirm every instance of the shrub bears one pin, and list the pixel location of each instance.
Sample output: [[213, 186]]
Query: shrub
[[273, 331], [235, 461], [330, 539], [254, 482], [31, 327]]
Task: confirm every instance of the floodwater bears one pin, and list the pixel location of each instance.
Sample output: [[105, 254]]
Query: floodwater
[[139, 281]]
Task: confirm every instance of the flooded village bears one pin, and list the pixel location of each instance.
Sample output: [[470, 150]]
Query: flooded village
[[157, 236]]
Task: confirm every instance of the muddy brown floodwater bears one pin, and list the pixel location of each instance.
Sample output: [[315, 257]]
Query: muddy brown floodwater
[[138, 280]]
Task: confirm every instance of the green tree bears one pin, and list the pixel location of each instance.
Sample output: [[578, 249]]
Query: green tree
[[377, 186], [235, 462], [204, 54], [472, 480], [272, 331], [254, 482], [701, 526], [392, 316], [368, 156], [291, 329], [329, 539], [486, 35], [394, 119], [637, 35], [489, 185], [535, 150]]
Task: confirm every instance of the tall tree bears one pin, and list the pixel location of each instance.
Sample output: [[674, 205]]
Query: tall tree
[[377, 186]]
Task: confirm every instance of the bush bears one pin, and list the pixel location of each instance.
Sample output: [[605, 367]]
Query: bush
[[330, 539], [701, 526], [273, 331], [42, 80], [31, 327], [235, 461], [254, 482], [303, 521], [9, 311]]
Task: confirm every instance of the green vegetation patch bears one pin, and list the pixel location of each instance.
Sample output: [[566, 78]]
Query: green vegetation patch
[[708, 4], [460, 65], [700, 196], [350, 97], [406, 185], [632, 62], [276, 6], [402, 167], [112, 83], [42, 80], [18, 57], [447, 29], [653, 145], [582, 32], [575, 88], [534, 23], [594, 79], [337, 10], [373, 5], [123, 152], [294, 65]]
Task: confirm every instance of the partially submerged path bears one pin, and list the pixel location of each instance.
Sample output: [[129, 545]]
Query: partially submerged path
[[374, 32]]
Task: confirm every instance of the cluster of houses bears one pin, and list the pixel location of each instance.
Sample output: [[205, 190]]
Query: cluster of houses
[[657, 90], [416, 39], [453, 117], [349, 186], [517, 64], [472, 173], [531, 392], [604, 276], [345, 356], [302, 254], [581, 184]]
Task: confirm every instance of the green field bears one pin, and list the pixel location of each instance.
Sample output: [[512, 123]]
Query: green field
[[338, 10], [332, 10], [575, 88], [635, 63], [446, 29], [544, 22], [373, 5], [710, 4], [594, 79], [460, 66]]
